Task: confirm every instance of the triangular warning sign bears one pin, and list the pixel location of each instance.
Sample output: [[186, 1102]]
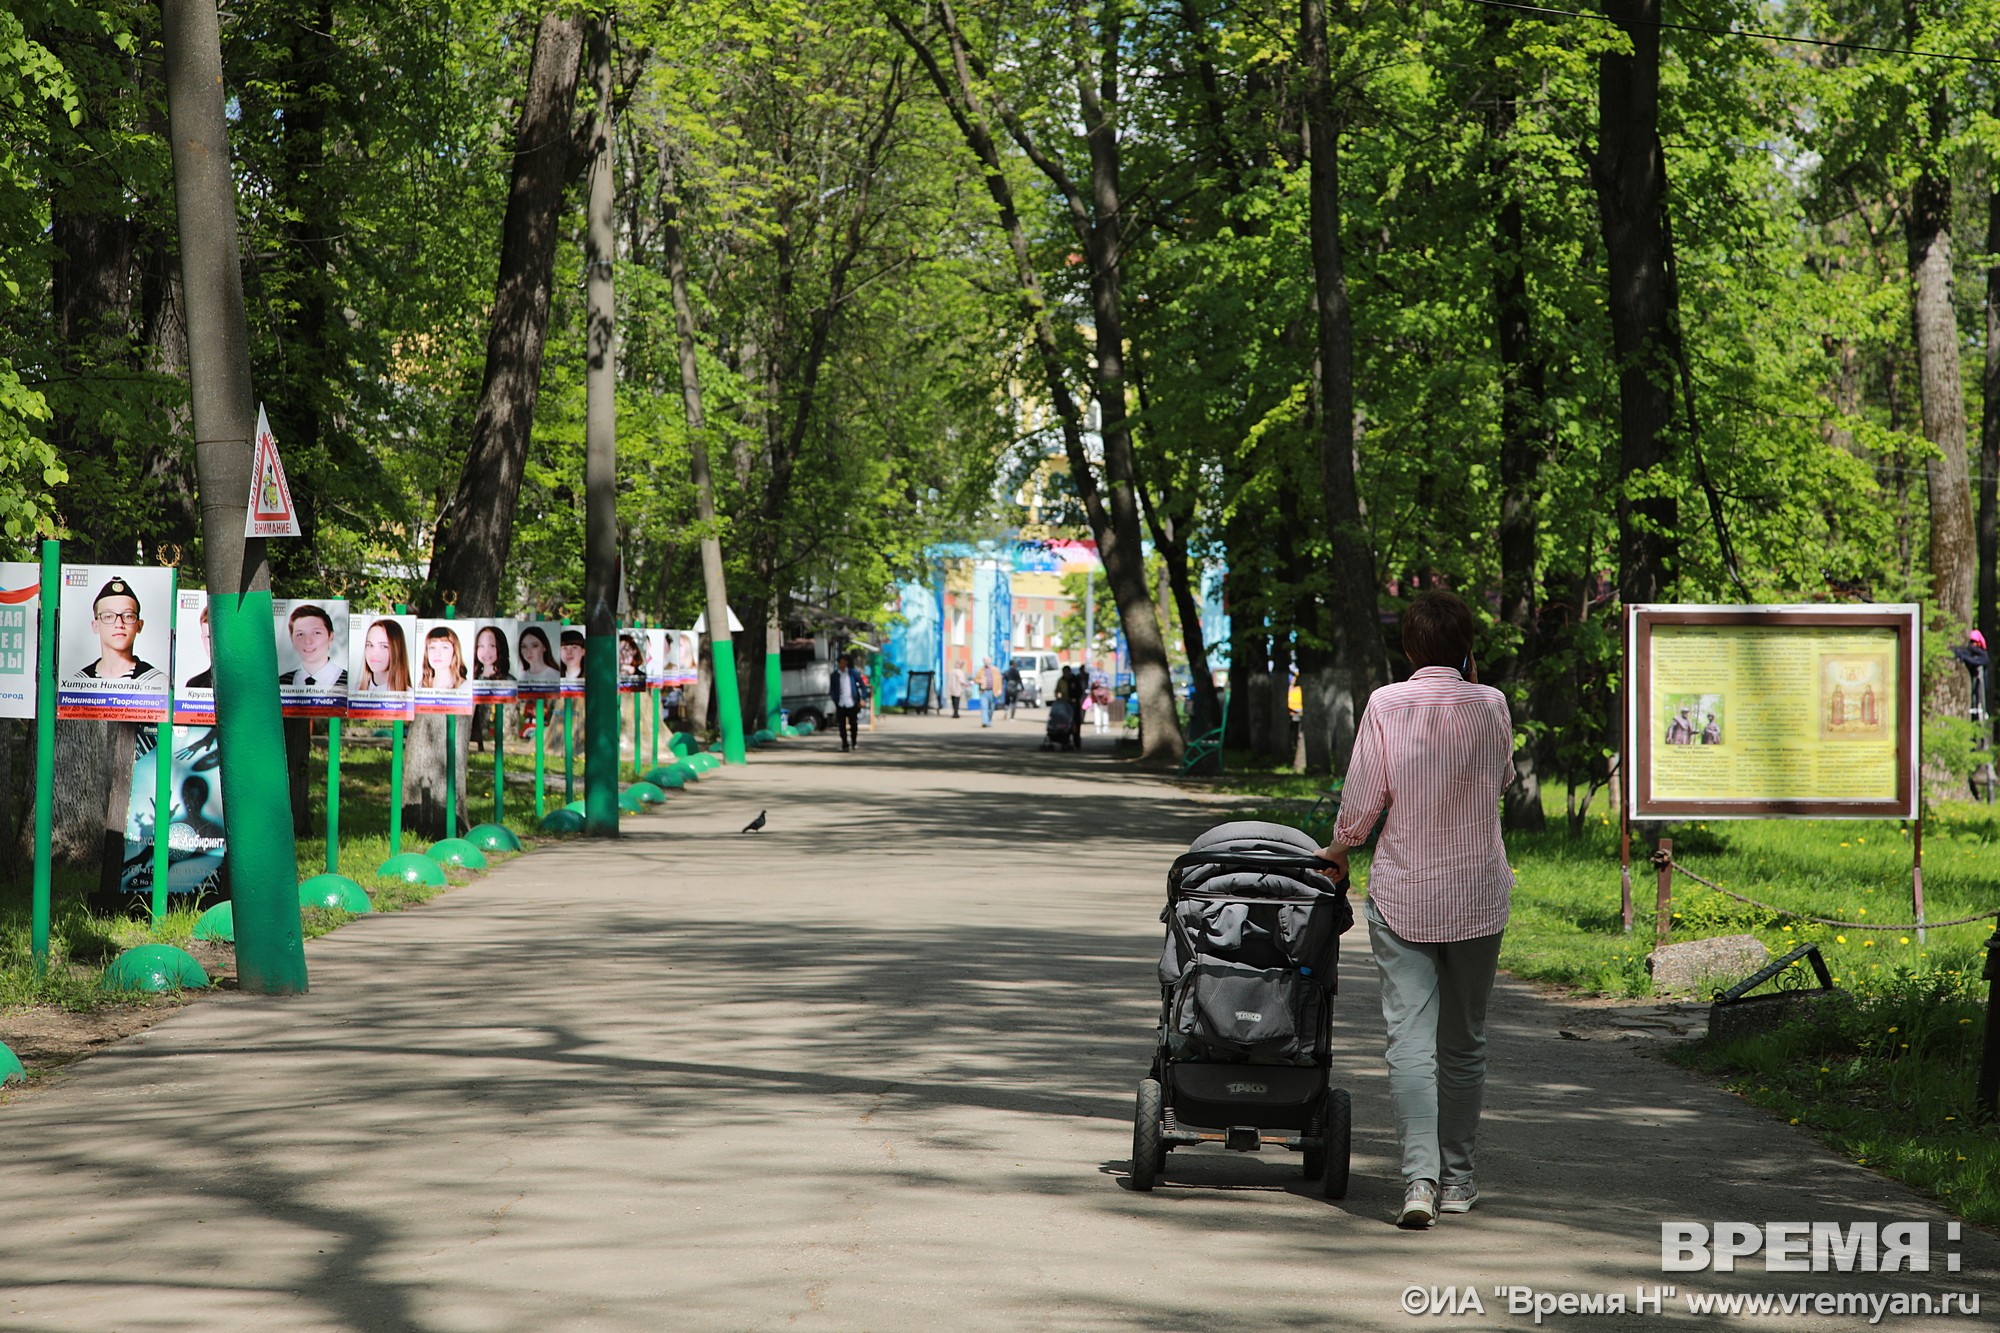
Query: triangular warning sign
[[271, 511]]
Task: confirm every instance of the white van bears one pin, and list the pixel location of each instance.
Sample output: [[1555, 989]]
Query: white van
[[1039, 673]]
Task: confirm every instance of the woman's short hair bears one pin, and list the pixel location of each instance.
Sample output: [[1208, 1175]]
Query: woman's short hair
[[1438, 629]]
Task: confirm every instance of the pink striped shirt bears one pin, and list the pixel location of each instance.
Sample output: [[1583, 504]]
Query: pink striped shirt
[[1435, 751]]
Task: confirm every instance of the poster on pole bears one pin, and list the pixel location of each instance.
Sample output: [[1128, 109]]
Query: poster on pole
[[1772, 712], [494, 679], [631, 661], [444, 668], [312, 655], [20, 636], [571, 649], [115, 631], [684, 661], [195, 837], [540, 669], [381, 687], [656, 658], [194, 660]]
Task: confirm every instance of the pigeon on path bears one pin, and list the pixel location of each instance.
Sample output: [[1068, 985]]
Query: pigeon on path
[[756, 823]]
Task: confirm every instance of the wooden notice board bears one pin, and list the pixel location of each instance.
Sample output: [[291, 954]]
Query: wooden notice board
[[1772, 712]]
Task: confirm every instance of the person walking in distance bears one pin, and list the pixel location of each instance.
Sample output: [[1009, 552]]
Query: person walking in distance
[[957, 688], [848, 689], [1100, 700], [1433, 754], [989, 691], [1010, 683]]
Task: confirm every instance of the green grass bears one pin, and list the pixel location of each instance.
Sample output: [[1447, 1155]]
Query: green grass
[[1884, 1072], [82, 942]]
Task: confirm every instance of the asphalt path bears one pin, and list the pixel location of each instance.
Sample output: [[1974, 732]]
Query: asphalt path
[[869, 1069]]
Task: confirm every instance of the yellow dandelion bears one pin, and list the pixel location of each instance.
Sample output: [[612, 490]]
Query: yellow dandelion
[[1903, 940], [1894, 1031], [1840, 939]]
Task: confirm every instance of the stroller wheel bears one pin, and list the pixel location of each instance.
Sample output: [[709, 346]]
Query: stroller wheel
[[1339, 1139], [1147, 1156]]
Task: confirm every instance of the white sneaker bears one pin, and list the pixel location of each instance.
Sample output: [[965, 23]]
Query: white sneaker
[[1458, 1198], [1420, 1205]]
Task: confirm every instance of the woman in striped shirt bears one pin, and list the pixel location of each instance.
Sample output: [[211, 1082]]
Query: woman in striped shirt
[[1432, 757]]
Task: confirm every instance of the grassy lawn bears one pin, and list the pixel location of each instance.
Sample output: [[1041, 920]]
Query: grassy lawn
[[1885, 1073], [82, 942]]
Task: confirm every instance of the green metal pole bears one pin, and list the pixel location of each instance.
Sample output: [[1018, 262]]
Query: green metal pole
[[163, 767], [333, 796], [396, 788], [396, 773], [541, 764], [653, 703], [45, 750], [638, 740], [600, 735], [569, 754], [499, 762], [450, 760]]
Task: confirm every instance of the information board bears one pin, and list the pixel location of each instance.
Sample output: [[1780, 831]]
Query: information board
[[1763, 712]]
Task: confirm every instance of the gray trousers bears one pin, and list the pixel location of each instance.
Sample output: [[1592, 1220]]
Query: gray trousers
[[1434, 1005]]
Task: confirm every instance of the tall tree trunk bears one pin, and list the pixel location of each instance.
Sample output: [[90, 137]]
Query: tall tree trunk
[[1954, 555], [477, 526], [1358, 664], [1989, 445], [601, 574], [1523, 442], [714, 584], [1630, 175], [1113, 517]]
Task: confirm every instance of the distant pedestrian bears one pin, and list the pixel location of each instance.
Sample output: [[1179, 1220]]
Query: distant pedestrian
[[989, 691], [957, 688], [1100, 701], [848, 690], [1070, 689], [1010, 682]]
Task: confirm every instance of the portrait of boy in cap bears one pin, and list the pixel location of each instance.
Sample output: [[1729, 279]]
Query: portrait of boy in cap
[[116, 623]]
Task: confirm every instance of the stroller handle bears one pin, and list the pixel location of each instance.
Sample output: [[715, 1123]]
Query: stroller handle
[[1254, 861]]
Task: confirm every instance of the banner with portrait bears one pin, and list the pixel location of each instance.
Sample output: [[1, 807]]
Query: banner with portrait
[[570, 648], [684, 657], [20, 637], [381, 686], [537, 650], [114, 629], [631, 661], [494, 647], [196, 839], [194, 660], [656, 659], [444, 667], [312, 655]]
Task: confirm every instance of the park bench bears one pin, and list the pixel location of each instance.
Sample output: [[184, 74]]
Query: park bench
[[1208, 745]]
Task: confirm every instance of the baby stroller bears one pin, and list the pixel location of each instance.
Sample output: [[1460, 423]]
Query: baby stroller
[[1061, 731], [1245, 1040]]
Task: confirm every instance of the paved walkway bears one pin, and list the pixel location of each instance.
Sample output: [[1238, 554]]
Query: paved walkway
[[871, 1069]]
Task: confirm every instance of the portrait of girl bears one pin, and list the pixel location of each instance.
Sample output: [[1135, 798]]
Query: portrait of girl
[[444, 662]]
